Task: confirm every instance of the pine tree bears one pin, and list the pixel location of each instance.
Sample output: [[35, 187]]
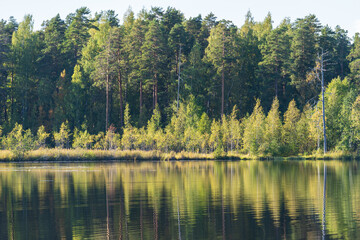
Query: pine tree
[[77, 34], [105, 69], [342, 50], [303, 52], [220, 52], [152, 59], [276, 55], [133, 43], [52, 63]]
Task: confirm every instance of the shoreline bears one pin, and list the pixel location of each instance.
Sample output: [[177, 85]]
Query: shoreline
[[80, 155]]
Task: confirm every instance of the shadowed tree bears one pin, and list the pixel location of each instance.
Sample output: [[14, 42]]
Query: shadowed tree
[[303, 52], [152, 59], [221, 52]]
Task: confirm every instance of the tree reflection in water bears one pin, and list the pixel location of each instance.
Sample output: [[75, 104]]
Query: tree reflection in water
[[189, 200]]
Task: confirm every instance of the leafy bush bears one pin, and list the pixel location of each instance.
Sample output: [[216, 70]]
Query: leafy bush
[[111, 139], [99, 141], [19, 141], [41, 137], [82, 138], [62, 137]]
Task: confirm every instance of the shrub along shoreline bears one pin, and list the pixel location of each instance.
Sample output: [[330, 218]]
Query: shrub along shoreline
[[188, 137], [50, 155]]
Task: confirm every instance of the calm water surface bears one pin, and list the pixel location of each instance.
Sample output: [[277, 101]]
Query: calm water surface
[[180, 200]]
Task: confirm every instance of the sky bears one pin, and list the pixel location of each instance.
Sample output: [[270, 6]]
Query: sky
[[344, 13]]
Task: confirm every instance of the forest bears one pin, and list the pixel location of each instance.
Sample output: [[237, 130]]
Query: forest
[[158, 81]]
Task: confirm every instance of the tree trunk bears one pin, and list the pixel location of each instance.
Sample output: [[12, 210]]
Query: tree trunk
[[155, 91], [177, 63], [107, 102], [276, 83], [12, 95], [222, 91], [120, 99], [153, 105], [141, 98], [5, 113], [223, 77]]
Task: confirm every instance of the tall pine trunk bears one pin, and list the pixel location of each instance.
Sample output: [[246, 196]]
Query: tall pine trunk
[[222, 91], [276, 83], [120, 99], [107, 102], [141, 98], [155, 91], [223, 77]]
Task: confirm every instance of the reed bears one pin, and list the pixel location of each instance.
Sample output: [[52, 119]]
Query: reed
[[133, 155], [336, 154]]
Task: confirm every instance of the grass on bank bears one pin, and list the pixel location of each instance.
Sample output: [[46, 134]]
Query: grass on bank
[[83, 154], [133, 155]]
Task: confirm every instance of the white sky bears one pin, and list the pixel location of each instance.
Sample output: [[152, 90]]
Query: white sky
[[344, 13]]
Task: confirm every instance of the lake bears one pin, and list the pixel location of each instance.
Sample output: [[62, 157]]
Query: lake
[[180, 200]]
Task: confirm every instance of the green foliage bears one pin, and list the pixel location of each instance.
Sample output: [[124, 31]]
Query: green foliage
[[290, 129], [303, 52], [77, 33], [221, 53], [306, 144], [276, 56], [153, 128], [24, 52], [193, 140], [152, 58], [19, 141], [316, 126], [355, 120], [273, 130], [112, 139], [128, 139], [215, 140], [175, 129], [347, 141], [41, 137], [204, 124], [82, 138], [232, 134], [354, 58], [334, 99], [93, 69], [99, 141], [254, 127], [62, 138]]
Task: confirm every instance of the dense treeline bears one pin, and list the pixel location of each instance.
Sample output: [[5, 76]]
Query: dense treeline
[[240, 88]]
